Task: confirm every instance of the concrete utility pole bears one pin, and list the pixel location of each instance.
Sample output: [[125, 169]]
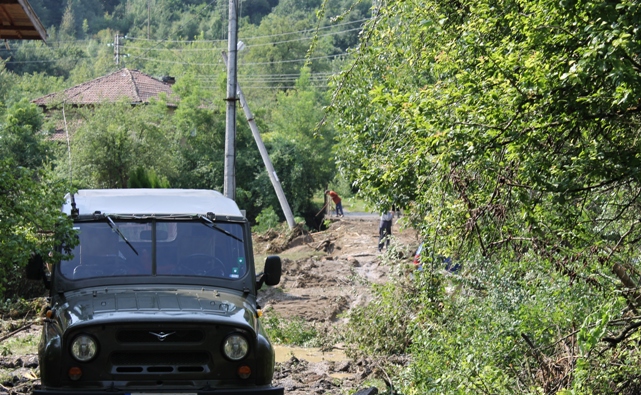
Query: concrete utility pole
[[289, 216], [148, 17], [230, 134], [117, 48]]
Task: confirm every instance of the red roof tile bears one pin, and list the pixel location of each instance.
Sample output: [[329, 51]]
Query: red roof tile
[[130, 84]]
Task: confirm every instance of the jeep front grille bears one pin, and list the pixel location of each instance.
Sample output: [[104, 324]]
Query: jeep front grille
[[138, 352], [168, 362]]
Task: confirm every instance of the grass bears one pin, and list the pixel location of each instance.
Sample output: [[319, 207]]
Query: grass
[[20, 345], [354, 204], [350, 203], [293, 332]]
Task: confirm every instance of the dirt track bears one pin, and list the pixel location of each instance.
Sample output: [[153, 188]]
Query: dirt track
[[324, 274]]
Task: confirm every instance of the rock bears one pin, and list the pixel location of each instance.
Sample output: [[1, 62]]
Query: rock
[[300, 240], [342, 366], [367, 391]]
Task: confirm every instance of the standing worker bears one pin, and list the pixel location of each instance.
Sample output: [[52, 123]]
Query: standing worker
[[385, 229], [337, 201]]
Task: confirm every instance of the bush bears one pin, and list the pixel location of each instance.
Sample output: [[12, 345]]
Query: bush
[[143, 178], [294, 331], [500, 328], [267, 219]]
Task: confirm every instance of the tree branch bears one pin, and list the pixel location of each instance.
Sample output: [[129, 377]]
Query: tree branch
[[613, 341]]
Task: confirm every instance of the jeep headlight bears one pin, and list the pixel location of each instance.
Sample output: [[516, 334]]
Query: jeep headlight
[[235, 347], [84, 348]]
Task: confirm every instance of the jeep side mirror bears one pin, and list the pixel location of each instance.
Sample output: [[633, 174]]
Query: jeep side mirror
[[35, 268], [273, 268], [272, 272]]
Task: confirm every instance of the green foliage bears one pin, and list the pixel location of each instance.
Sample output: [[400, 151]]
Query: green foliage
[[31, 218], [267, 219], [21, 137], [301, 154], [467, 334], [30, 198], [117, 138], [383, 327], [143, 178], [509, 134], [294, 331], [19, 308]]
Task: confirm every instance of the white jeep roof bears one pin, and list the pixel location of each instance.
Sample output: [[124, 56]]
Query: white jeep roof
[[151, 201]]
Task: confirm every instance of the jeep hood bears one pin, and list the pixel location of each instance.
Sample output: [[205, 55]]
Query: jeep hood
[[97, 306]]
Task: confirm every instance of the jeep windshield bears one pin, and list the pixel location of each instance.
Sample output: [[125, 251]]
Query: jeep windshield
[[156, 248]]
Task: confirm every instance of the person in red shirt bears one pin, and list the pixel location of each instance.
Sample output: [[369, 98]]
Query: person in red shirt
[[337, 201]]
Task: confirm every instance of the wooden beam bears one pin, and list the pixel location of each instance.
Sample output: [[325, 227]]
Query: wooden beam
[[18, 28], [34, 18], [12, 11], [4, 16]]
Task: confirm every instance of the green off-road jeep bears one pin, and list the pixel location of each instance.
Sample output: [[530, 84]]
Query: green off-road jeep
[[159, 297]]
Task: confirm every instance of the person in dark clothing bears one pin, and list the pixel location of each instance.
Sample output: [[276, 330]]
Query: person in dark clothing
[[385, 229], [337, 201]]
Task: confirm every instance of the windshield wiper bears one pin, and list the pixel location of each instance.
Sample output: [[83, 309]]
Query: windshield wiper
[[209, 223], [117, 230]]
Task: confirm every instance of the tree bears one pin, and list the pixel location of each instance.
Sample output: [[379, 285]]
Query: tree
[[30, 198], [301, 154], [510, 131], [143, 178], [22, 138], [284, 58], [114, 139]]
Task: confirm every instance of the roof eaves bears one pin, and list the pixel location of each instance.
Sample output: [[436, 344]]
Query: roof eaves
[[34, 18]]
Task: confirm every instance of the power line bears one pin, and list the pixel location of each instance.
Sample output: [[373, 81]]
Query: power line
[[252, 37], [155, 48], [301, 38], [306, 30], [293, 75], [248, 44], [207, 6], [180, 49], [173, 41], [270, 87], [175, 62], [42, 61], [244, 64], [295, 60]]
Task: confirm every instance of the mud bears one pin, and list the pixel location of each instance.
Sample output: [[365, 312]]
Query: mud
[[323, 278], [324, 275]]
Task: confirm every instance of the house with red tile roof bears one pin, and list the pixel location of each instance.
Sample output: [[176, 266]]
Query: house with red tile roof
[[133, 85], [125, 84]]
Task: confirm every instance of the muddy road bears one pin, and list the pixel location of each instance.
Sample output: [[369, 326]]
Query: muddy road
[[324, 275]]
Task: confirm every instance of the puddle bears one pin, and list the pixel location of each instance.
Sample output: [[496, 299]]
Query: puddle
[[284, 353], [341, 376]]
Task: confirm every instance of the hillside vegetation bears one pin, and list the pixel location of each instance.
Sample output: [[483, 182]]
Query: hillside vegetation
[[507, 132]]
